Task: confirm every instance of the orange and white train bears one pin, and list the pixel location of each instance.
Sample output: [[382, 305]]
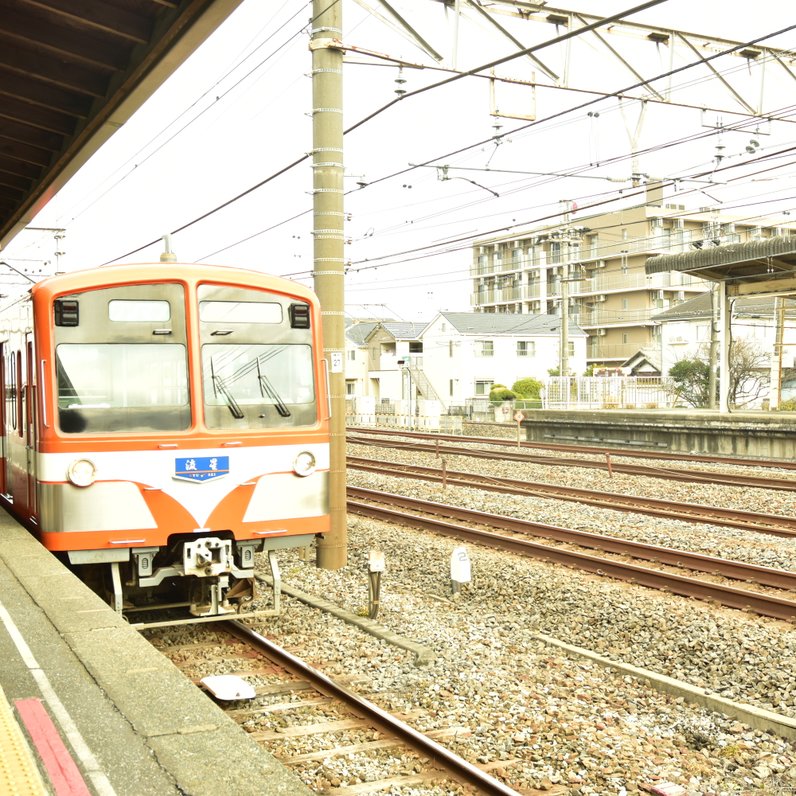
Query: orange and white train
[[163, 423]]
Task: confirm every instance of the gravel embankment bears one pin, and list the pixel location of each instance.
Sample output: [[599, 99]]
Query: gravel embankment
[[561, 724]]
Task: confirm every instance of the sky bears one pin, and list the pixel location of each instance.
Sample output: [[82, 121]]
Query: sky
[[429, 174]]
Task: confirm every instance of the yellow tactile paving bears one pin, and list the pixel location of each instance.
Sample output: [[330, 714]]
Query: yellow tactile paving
[[18, 773]]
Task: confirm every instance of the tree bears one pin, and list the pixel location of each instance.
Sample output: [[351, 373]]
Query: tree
[[690, 377], [499, 394], [749, 375], [527, 388]]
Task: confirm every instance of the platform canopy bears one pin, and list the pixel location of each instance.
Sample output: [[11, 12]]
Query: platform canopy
[[71, 73], [764, 267], [759, 267]]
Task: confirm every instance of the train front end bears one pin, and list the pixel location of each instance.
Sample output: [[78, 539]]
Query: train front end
[[183, 428]]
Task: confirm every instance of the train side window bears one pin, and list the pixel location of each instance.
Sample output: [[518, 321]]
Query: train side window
[[11, 389], [19, 394]]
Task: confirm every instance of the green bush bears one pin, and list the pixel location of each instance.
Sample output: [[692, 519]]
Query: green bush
[[527, 387], [500, 394], [787, 406]]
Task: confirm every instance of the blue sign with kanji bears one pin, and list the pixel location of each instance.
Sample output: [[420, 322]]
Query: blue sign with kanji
[[201, 468]]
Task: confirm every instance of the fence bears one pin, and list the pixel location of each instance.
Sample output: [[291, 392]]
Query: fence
[[444, 424], [608, 392]]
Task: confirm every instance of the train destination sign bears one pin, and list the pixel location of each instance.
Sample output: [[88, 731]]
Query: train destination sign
[[201, 468]]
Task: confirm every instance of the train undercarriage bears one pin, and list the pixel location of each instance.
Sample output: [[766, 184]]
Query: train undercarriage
[[193, 579]]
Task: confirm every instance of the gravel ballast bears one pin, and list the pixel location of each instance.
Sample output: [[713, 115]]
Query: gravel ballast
[[556, 722]]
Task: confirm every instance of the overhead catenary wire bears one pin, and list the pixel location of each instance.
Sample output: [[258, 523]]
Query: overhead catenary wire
[[305, 157], [465, 241], [618, 92], [302, 159]]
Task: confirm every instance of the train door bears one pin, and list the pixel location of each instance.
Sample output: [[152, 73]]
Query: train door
[[29, 419], [9, 415], [3, 441]]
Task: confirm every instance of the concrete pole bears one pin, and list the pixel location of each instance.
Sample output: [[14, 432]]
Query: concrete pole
[[775, 391], [563, 354], [714, 348], [724, 349], [328, 253]]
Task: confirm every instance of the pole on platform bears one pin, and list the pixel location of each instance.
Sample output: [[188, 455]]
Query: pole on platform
[[328, 251]]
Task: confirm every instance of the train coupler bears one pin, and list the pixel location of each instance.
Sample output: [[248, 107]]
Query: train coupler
[[209, 597]]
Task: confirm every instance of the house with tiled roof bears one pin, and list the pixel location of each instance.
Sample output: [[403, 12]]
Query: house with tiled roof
[[383, 348], [466, 353], [686, 332], [455, 358], [356, 355]]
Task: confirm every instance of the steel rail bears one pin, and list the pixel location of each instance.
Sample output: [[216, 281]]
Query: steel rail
[[457, 767], [775, 524], [729, 479], [783, 464], [736, 570], [757, 602]]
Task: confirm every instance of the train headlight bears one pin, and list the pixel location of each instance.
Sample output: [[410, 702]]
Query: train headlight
[[82, 472], [304, 464]]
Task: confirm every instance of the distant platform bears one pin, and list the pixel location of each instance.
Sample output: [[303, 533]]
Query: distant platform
[[753, 435]]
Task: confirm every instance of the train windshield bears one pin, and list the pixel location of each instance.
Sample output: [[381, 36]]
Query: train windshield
[[122, 387], [257, 359], [121, 358], [258, 385]]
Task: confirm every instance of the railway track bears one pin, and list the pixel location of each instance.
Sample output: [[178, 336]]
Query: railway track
[[777, 525], [294, 701], [585, 449], [436, 517], [691, 476]]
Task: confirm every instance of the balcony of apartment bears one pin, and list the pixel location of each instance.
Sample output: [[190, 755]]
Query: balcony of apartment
[[600, 316], [598, 351], [614, 282], [500, 295], [490, 265]]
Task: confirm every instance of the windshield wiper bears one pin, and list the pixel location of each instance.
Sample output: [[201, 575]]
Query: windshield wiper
[[220, 387], [266, 388]]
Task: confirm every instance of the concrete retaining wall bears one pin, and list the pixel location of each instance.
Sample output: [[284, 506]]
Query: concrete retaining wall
[[761, 435]]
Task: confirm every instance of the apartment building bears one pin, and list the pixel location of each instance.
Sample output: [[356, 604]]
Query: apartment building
[[594, 266]]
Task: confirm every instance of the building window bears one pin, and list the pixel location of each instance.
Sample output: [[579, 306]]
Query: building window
[[484, 348], [526, 348], [624, 338], [483, 387], [350, 387], [352, 354], [415, 347], [571, 347], [450, 348]]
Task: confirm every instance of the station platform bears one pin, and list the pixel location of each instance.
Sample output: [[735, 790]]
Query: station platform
[[753, 435], [87, 706]]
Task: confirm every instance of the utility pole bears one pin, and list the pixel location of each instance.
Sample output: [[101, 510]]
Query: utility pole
[[572, 236], [328, 251], [775, 391], [563, 354], [714, 347]]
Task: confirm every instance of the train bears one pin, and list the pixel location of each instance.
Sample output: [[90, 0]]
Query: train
[[163, 423]]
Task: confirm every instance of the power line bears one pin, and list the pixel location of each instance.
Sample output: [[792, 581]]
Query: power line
[[560, 114], [557, 39], [471, 146]]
